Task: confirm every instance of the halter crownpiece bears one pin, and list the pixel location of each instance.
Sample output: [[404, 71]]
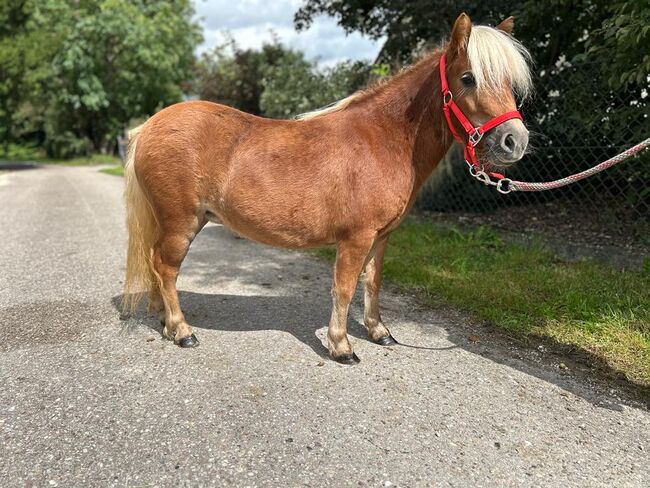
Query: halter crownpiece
[[474, 134]]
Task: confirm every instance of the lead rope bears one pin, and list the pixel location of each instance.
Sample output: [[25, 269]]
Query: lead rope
[[506, 185]]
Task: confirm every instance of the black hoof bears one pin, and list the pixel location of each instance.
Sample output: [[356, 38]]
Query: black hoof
[[388, 340], [189, 341], [348, 359]]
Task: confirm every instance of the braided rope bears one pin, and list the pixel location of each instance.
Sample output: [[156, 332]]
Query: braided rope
[[549, 185]]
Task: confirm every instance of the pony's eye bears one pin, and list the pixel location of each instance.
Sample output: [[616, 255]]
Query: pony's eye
[[468, 80]]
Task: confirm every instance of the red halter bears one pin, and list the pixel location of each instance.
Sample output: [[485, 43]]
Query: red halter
[[474, 134]]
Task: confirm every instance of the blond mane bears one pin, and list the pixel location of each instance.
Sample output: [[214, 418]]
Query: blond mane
[[494, 57], [366, 92], [334, 107]]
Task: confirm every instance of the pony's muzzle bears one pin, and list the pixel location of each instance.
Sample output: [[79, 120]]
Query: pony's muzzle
[[508, 143]]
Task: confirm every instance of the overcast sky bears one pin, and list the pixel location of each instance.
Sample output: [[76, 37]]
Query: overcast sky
[[250, 23]]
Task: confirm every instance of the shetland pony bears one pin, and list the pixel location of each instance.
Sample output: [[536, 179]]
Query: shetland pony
[[345, 176]]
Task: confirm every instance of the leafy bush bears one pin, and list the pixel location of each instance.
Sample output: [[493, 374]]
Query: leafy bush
[[17, 152], [76, 72], [274, 81], [295, 86]]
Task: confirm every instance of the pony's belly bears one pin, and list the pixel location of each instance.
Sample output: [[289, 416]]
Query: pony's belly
[[273, 229]]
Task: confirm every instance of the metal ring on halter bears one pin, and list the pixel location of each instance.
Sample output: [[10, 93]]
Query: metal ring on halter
[[483, 177], [473, 170], [444, 98], [475, 137], [504, 181]]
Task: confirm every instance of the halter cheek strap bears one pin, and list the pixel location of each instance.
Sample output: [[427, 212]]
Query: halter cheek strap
[[474, 134]]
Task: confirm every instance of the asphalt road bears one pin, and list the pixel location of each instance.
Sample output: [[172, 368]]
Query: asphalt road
[[87, 399]]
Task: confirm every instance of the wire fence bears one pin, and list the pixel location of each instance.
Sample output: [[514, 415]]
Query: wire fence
[[576, 121]]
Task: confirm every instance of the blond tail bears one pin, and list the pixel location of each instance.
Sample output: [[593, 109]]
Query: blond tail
[[142, 228]]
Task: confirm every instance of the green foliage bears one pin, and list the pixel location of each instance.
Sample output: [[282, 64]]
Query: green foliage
[[25, 51], [86, 68], [274, 81], [381, 70], [623, 33], [17, 152], [611, 34], [590, 91], [405, 24], [292, 87], [234, 76], [296, 86]]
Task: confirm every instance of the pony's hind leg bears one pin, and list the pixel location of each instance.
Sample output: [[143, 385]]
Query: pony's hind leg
[[156, 305], [377, 331], [168, 255], [350, 258]]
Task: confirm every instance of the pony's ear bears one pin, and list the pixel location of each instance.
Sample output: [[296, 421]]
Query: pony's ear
[[507, 25], [460, 34]]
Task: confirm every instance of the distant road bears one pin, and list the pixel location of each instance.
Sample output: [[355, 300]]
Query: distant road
[[89, 400]]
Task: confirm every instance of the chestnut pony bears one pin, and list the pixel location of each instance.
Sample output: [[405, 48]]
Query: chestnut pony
[[346, 175]]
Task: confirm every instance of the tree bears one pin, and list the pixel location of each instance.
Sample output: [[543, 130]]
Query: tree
[[274, 81], [234, 76], [24, 51], [407, 25], [121, 60], [295, 86], [98, 64], [622, 33]]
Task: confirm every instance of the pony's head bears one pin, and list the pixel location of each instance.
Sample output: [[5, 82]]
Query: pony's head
[[487, 72]]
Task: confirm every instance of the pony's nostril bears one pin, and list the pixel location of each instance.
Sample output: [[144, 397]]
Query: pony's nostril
[[508, 143]]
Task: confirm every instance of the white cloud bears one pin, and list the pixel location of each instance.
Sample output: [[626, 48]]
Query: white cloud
[[250, 23]]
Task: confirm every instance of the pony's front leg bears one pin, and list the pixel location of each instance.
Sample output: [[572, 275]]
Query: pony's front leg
[[377, 331], [350, 258]]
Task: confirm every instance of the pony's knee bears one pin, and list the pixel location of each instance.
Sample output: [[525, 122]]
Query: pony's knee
[[341, 296]]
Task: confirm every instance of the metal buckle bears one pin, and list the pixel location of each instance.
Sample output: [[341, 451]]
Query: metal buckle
[[506, 182], [475, 137], [444, 98], [480, 174], [503, 186]]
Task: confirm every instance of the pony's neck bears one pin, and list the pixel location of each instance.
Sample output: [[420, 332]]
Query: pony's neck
[[411, 104]]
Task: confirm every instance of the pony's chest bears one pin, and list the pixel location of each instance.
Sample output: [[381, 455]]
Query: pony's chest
[[392, 197]]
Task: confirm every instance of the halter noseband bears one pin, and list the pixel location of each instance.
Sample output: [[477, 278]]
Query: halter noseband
[[474, 134]]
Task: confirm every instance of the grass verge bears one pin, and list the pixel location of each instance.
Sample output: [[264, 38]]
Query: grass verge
[[38, 156], [528, 291], [115, 170], [82, 160]]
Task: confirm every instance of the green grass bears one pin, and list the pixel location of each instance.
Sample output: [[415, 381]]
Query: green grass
[[528, 291], [27, 153], [115, 170], [94, 159]]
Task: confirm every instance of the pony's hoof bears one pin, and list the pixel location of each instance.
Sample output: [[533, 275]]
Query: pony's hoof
[[188, 341], [348, 359], [388, 340]]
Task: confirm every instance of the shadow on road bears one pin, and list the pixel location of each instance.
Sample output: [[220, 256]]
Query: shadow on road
[[297, 316], [302, 317], [17, 165], [304, 307]]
